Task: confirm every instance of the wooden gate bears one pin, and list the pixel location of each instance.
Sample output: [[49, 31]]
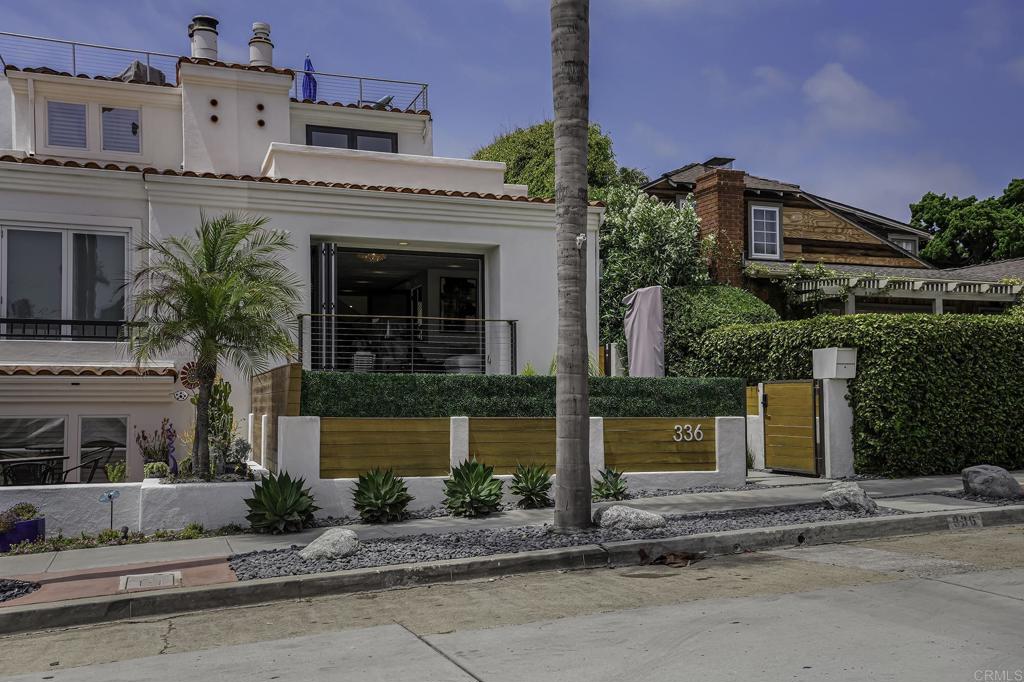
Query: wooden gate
[[790, 433]]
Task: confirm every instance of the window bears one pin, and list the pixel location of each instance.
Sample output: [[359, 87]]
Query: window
[[347, 138], [764, 231], [38, 445], [65, 124], [120, 130], [103, 440], [64, 274], [908, 244]]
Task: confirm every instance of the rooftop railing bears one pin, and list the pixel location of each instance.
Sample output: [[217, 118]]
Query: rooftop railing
[[67, 56]]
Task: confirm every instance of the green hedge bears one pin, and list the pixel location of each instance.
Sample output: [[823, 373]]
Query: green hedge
[[933, 393], [690, 312], [337, 394]]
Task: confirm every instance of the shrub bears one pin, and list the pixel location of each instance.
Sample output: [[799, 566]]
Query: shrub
[[532, 483], [116, 471], [280, 504], [156, 470], [933, 393], [340, 394], [25, 511], [609, 484], [690, 312], [191, 532], [7, 521], [381, 497], [472, 490]]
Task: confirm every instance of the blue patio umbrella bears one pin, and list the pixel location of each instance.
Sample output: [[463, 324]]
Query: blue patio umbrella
[[308, 81]]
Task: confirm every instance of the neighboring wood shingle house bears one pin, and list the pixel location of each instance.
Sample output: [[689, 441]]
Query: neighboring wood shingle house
[[840, 258]]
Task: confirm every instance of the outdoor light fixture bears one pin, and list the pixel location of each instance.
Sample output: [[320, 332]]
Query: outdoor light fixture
[[403, 243], [371, 257]]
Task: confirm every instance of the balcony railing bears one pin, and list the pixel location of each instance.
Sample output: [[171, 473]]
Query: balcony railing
[[413, 345], [14, 328], [76, 58]]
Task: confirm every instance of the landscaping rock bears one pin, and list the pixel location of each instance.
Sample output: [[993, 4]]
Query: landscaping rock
[[333, 543], [991, 481], [849, 495], [627, 518], [12, 589]]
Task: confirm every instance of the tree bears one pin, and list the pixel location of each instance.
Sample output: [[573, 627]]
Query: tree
[[570, 47], [225, 294], [645, 242], [529, 158], [970, 231]]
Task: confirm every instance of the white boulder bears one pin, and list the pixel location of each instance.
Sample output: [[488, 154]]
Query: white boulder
[[333, 543], [850, 496], [627, 518], [991, 481]]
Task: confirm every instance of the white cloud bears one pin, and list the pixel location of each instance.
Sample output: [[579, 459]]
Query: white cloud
[[887, 187], [654, 140], [842, 103], [847, 45], [763, 81], [1015, 67]]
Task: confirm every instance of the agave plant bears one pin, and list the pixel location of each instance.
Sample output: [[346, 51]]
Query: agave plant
[[609, 484], [280, 504], [472, 490], [532, 483], [381, 497]]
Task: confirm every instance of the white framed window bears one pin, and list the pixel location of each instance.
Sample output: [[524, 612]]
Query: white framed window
[[121, 129], [66, 124], [55, 275], [40, 445], [905, 242], [765, 234], [102, 440]]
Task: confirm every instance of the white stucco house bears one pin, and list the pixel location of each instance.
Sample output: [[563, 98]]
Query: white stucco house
[[411, 262]]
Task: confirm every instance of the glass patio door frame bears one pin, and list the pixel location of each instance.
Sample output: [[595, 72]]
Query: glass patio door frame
[[67, 265]]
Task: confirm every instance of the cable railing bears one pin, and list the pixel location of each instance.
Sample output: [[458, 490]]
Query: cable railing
[[67, 56], [408, 345], [77, 58]]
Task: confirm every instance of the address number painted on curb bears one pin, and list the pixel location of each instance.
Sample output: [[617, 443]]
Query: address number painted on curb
[[687, 433], [964, 521]]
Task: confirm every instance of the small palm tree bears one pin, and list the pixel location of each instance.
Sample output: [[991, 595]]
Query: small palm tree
[[224, 293]]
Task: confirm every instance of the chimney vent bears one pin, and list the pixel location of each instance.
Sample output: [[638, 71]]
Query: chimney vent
[[261, 50], [203, 34]]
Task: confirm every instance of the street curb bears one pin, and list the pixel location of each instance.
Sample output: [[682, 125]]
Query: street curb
[[33, 617]]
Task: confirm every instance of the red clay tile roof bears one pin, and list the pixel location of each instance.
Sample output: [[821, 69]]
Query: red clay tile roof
[[53, 72], [86, 371], [280, 181], [421, 112], [243, 67]]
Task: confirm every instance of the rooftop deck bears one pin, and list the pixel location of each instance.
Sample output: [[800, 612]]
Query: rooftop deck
[[76, 58]]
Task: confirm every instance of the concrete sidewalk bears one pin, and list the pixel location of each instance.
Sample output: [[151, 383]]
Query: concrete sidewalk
[[774, 490]]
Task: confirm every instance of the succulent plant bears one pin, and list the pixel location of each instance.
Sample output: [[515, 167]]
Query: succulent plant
[[532, 483], [381, 497], [280, 504], [609, 485], [25, 511], [472, 490], [156, 470]]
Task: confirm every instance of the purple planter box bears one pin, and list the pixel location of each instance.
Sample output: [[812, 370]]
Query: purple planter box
[[22, 531]]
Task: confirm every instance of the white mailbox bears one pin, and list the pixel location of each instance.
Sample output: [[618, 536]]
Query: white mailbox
[[835, 363]]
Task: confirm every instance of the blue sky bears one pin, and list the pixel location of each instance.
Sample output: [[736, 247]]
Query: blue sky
[[871, 102]]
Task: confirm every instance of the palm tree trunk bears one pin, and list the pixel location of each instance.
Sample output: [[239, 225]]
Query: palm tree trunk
[[570, 45], [201, 443]]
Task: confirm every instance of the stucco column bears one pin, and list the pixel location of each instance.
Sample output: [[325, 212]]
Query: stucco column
[[596, 445], [851, 304], [731, 450], [937, 306], [458, 440]]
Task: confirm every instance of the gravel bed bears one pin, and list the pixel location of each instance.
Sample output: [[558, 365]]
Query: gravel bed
[[12, 589], [961, 495], [487, 541], [640, 493]]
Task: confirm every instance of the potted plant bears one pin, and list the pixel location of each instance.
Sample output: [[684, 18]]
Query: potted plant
[[20, 523]]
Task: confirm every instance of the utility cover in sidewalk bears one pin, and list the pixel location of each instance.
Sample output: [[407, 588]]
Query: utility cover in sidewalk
[[149, 581]]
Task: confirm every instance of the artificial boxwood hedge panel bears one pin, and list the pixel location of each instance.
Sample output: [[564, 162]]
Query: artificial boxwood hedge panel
[[338, 394], [933, 393]]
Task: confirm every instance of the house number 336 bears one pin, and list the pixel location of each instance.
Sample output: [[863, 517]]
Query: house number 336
[[687, 433]]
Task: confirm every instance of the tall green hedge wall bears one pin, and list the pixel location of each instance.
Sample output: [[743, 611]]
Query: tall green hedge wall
[[337, 394], [933, 393]]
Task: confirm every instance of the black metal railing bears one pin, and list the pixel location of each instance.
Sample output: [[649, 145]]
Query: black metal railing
[[402, 344], [13, 328]]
